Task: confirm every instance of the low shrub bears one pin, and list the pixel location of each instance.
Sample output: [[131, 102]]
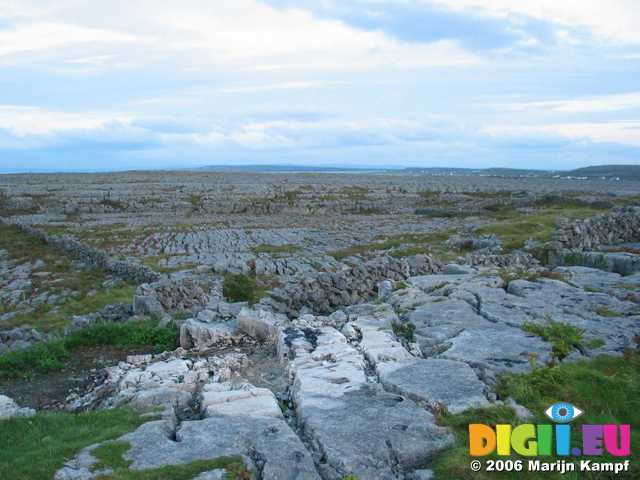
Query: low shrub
[[51, 355], [563, 337]]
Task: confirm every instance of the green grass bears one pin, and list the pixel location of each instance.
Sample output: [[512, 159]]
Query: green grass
[[404, 330], [155, 263], [87, 283], [51, 356], [607, 312], [195, 200], [607, 389], [354, 192], [56, 319], [516, 228], [510, 275], [34, 448], [595, 343], [562, 336], [110, 455], [577, 258], [247, 288], [416, 242], [275, 249]]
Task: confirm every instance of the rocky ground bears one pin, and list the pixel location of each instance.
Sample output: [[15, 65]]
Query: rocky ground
[[325, 323]]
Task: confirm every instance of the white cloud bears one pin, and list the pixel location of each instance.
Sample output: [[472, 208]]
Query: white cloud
[[600, 103], [51, 36], [615, 20], [23, 121], [199, 34], [325, 133], [625, 133], [37, 126]]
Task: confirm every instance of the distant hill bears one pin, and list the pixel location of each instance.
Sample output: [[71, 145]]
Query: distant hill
[[283, 168], [623, 172], [626, 172]]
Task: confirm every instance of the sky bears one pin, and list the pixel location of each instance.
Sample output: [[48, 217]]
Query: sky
[[86, 85]]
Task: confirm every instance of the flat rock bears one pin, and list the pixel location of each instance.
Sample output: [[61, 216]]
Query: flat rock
[[436, 381], [261, 324], [355, 426], [201, 335]]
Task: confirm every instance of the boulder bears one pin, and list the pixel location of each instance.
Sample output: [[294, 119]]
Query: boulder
[[9, 409]]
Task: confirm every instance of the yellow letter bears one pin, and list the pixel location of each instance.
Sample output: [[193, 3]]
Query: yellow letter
[[503, 433]]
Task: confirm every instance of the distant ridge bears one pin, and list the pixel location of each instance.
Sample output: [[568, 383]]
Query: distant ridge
[[621, 172], [287, 168], [626, 172]]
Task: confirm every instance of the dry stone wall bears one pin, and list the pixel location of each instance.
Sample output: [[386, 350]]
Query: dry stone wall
[[125, 269], [324, 292], [619, 226]]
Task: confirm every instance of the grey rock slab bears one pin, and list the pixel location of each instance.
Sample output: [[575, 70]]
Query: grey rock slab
[[269, 441], [436, 381], [585, 277], [200, 335], [267, 444], [353, 426], [244, 399], [439, 321], [372, 435], [218, 474], [496, 305], [10, 409], [497, 348], [261, 324]]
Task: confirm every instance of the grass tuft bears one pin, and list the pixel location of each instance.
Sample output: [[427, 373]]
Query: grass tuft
[[607, 312], [404, 330], [563, 337], [247, 288], [50, 356], [275, 249]]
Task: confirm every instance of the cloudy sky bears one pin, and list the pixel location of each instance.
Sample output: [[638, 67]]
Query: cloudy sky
[[164, 83]]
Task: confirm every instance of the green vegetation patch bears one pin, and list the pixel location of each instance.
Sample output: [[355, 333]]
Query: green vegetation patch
[[354, 191], [606, 388], [156, 264], [414, 243], [34, 448], [562, 336], [275, 249], [607, 312], [195, 200], [48, 318], [404, 330], [516, 228], [577, 258], [87, 283], [110, 455], [240, 287], [51, 356]]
